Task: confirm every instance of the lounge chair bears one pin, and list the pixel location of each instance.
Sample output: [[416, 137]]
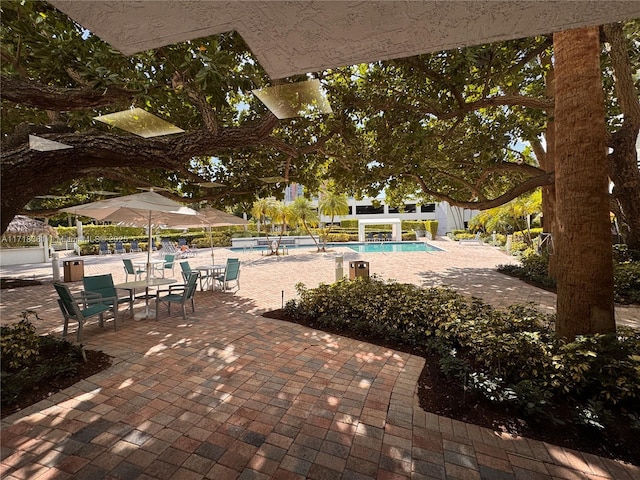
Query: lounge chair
[[182, 294], [103, 248], [119, 248], [130, 269], [80, 308], [134, 248], [231, 274], [102, 285], [472, 241]]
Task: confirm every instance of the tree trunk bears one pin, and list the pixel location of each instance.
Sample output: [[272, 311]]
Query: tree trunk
[[548, 164], [583, 240]]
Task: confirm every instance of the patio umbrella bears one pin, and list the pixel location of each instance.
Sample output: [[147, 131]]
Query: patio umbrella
[[141, 209], [213, 218]]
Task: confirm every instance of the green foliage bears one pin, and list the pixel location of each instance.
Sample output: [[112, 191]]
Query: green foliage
[[410, 225], [94, 233], [432, 227], [626, 280], [349, 223], [534, 268], [21, 354], [511, 357], [19, 342]]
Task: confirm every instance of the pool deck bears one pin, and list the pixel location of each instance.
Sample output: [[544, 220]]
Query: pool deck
[[231, 394]]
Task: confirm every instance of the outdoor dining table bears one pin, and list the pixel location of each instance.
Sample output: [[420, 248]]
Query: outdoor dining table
[[146, 284], [208, 272], [153, 265]]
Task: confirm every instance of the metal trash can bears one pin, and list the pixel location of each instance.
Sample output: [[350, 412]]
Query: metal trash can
[[73, 270], [358, 269]]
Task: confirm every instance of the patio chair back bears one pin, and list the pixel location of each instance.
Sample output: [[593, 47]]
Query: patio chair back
[[130, 269], [231, 274], [181, 294], [186, 270], [103, 285], [169, 264]]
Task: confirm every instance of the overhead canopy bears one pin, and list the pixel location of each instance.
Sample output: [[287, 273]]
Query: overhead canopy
[[294, 37]]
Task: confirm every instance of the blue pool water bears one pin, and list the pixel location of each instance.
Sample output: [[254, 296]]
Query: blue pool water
[[385, 247], [369, 247]]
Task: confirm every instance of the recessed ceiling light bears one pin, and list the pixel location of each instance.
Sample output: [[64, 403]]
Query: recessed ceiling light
[[139, 122]]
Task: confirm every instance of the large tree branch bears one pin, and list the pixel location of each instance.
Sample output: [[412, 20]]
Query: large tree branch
[[545, 178], [47, 97]]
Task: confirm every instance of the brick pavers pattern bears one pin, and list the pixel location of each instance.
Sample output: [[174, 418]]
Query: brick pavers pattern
[[231, 394]]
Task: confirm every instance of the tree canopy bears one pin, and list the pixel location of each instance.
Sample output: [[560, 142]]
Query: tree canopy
[[445, 126]]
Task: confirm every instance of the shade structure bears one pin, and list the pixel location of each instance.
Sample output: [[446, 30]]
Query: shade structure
[[23, 225], [141, 209], [212, 217]]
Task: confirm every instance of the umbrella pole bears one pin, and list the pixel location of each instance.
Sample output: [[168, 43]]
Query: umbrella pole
[[149, 249], [211, 244]]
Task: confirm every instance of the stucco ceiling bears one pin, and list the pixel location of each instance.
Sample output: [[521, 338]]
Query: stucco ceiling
[[294, 37]]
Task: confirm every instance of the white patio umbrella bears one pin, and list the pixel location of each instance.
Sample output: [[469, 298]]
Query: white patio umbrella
[[213, 218], [141, 209]]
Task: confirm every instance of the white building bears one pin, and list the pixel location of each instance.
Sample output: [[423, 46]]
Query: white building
[[449, 217]]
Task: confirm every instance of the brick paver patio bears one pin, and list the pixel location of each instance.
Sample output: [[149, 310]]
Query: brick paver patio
[[230, 394]]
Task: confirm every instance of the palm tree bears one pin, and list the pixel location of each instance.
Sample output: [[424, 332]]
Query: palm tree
[[583, 239], [280, 214], [304, 214], [261, 210], [332, 204]]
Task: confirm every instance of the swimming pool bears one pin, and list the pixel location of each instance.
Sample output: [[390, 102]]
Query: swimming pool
[[367, 247], [386, 247]]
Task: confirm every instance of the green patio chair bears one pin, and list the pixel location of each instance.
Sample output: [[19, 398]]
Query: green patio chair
[[103, 286], [182, 294], [169, 264], [187, 270], [80, 308], [231, 274], [130, 269]]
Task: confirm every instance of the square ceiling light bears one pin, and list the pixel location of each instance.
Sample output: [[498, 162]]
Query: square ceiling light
[[43, 145], [210, 184], [139, 122], [273, 179], [294, 99]]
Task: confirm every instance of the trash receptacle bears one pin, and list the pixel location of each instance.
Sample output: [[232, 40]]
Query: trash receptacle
[[358, 269], [73, 270]]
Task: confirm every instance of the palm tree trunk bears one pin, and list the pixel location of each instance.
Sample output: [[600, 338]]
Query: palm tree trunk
[[585, 259]]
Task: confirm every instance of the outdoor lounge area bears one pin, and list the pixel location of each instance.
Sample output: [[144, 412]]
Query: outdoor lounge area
[[228, 392]]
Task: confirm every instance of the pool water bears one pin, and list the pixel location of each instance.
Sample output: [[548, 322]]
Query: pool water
[[368, 247], [386, 247]]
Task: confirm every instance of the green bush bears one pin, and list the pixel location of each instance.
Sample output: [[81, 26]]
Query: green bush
[[626, 280], [510, 357], [22, 358], [534, 269], [432, 227], [349, 224]]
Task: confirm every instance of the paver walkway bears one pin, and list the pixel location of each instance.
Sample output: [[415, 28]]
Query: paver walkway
[[231, 394]]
